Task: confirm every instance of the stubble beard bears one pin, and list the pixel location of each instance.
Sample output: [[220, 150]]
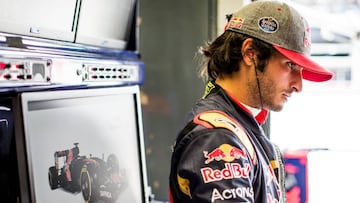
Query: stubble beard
[[266, 98]]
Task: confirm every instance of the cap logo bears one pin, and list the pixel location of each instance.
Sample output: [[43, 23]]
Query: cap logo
[[268, 24], [235, 23]]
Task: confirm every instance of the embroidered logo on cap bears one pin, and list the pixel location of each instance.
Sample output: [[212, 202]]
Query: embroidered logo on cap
[[235, 23], [268, 24]]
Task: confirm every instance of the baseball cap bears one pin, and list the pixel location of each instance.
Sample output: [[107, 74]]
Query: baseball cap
[[285, 29]]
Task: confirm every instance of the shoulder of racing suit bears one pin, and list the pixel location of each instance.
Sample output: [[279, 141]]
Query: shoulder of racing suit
[[203, 122], [219, 119]]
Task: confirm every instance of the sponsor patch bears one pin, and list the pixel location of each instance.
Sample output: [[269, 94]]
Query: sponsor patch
[[224, 152], [230, 171], [232, 194], [209, 87], [235, 23], [218, 119], [184, 185], [268, 24]]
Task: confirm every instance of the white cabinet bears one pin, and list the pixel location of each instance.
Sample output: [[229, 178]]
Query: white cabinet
[[49, 19], [105, 23]]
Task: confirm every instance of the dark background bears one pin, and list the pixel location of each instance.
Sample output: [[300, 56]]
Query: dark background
[[170, 34]]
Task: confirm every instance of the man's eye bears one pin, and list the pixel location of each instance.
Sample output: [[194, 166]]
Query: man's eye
[[291, 65]]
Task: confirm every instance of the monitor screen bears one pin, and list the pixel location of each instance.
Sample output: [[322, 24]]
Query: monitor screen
[[84, 145]]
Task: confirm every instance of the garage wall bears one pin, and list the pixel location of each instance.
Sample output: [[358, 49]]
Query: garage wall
[[170, 34]]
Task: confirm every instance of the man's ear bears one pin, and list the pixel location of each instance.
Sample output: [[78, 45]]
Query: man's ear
[[248, 52]]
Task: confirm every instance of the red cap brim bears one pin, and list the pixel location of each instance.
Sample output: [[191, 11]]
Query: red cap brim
[[311, 70]]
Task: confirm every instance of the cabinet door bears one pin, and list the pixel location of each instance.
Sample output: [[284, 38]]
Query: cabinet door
[[51, 19], [105, 23]]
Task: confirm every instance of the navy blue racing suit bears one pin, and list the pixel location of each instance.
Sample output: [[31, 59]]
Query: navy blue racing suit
[[223, 155]]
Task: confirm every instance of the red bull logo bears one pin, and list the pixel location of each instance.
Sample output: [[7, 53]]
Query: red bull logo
[[230, 171], [224, 152]]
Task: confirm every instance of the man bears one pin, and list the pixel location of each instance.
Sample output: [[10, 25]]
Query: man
[[222, 154]]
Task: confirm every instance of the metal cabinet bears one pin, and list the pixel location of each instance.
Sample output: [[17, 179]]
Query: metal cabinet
[[107, 23], [48, 19]]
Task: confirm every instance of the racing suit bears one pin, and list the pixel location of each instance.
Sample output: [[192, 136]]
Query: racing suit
[[223, 155]]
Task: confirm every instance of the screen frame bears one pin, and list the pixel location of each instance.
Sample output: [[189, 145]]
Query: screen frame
[[26, 181]]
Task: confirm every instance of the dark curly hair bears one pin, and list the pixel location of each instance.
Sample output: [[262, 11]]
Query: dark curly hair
[[222, 56]]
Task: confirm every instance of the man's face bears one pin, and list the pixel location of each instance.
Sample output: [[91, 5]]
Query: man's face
[[281, 77]]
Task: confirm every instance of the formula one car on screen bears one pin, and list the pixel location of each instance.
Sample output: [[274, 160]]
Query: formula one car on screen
[[97, 180]]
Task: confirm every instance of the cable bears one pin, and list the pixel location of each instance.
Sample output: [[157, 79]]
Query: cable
[[258, 82]]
